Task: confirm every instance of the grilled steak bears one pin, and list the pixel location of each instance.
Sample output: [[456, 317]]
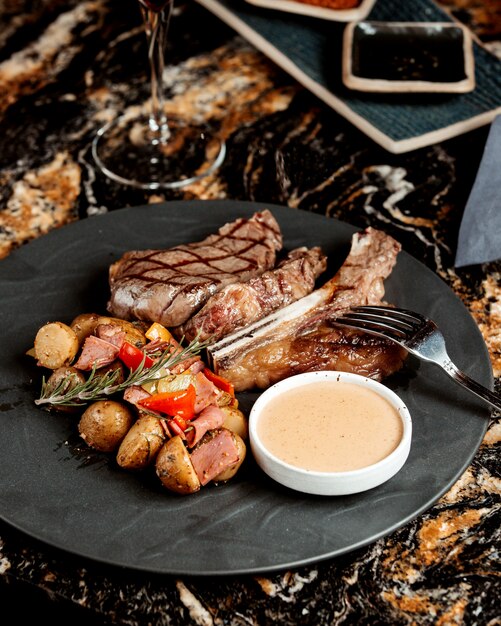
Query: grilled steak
[[299, 337], [169, 286], [323, 347], [241, 304]]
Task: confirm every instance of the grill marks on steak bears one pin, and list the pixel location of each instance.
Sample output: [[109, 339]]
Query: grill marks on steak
[[241, 304], [299, 338], [169, 286]]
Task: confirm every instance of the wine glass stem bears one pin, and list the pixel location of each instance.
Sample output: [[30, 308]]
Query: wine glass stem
[[156, 26]]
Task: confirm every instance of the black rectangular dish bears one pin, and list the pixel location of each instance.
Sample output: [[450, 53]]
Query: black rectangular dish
[[434, 57]]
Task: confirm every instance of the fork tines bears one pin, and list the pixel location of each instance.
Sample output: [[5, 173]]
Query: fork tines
[[388, 321], [419, 335]]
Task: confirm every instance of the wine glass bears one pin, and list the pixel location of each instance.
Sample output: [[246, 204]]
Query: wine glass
[[146, 150]]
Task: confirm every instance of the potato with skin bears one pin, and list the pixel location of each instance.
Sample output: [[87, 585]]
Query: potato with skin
[[141, 444], [84, 325], [235, 421], [175, 469], [113, 367], [67, 377], [56, 344], [230, 472], [104, 424]]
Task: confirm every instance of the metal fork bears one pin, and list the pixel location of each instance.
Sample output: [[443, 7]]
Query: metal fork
[[418, 335]]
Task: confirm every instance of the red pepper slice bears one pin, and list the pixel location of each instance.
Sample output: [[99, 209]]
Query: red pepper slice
[[219, 381], [173, 403], [133, 357]]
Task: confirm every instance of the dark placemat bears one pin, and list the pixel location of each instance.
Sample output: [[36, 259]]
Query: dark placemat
[[310, 49]]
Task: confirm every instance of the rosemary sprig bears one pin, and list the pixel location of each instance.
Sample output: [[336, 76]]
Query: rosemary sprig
[[70, 392]]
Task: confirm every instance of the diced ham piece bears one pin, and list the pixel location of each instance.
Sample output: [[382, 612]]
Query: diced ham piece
[[111, 333], [135, 394], [194, 362], [206, 392], [216, 452], [211, 417], [187, 364], [96, 353], [197, 366]]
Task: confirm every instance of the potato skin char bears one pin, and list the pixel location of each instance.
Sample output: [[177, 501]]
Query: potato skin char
[[56, 344], [175, 469], [104, 424], [141, 444]]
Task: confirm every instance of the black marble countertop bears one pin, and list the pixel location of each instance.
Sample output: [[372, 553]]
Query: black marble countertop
[[67, 67]]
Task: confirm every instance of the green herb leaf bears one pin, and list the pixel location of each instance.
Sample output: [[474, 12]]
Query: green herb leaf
[[97, 387]]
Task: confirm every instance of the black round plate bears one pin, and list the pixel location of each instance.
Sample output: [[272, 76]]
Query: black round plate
[[56, 490]]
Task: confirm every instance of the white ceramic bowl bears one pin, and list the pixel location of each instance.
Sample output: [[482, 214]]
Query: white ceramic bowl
[[324, 482]]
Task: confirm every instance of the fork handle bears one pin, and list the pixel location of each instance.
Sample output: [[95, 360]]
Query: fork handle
[[493, 398]]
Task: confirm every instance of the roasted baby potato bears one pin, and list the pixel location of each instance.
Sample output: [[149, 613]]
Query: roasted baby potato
[[235, 421], [56, 344], [175, 469], [62, 380], [112, 367], [229, 472], [84, 325], [104, 424], [141, 444]]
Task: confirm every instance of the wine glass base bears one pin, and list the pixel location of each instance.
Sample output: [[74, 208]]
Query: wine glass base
[[128, 152]]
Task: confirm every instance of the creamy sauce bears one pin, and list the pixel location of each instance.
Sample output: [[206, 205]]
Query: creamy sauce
[[330, 427]]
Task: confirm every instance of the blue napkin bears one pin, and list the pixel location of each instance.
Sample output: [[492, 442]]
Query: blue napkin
[[480, 231]]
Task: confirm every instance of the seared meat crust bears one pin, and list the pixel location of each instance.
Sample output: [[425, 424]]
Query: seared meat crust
[[241, 304], [299, 338], [169, 286]]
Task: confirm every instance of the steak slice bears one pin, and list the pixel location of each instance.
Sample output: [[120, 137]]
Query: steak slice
[[299, 337], [241, 304], [169, 286]]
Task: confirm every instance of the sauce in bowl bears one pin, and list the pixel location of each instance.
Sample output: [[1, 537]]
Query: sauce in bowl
[[330, 433], [330, 428]]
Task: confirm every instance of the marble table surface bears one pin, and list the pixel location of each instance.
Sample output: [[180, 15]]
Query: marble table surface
[[65, 69]]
